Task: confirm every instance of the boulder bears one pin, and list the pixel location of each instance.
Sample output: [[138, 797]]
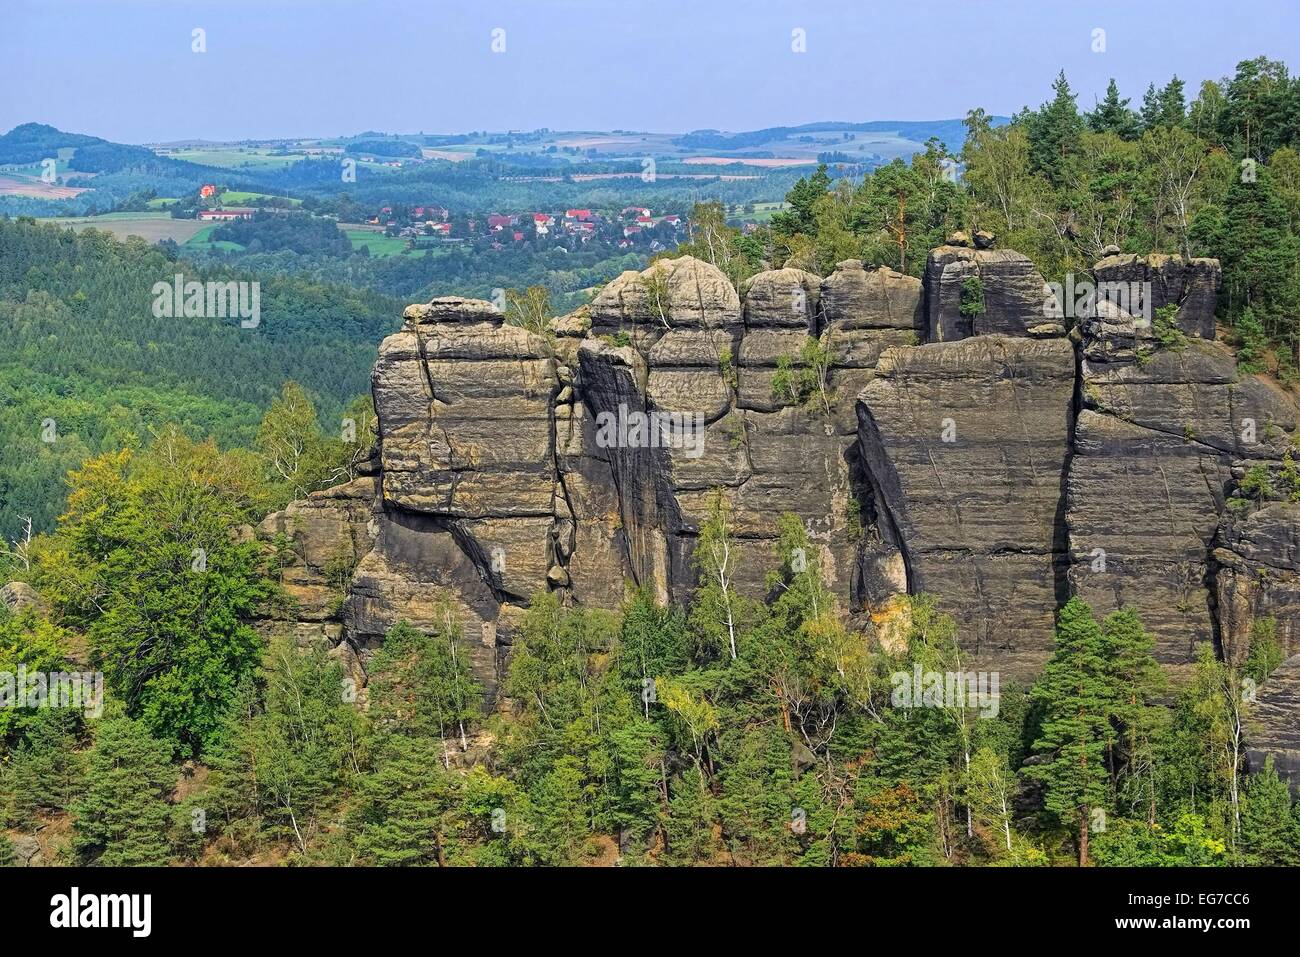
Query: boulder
[[782, 298], [856, 298], [19, 596], [27, 850]]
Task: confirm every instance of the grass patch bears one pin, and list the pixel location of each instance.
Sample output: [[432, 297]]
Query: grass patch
[[377, 243]]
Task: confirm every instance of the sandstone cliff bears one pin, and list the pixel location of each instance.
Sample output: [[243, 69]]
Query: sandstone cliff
[[978, 454]]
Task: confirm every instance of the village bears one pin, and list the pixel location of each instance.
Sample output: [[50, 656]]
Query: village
[[632, 226], [422, 226]]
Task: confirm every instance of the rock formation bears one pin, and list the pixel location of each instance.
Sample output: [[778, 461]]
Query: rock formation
[[932, 435]]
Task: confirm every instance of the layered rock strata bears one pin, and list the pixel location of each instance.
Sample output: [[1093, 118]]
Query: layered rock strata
[[933, 435]]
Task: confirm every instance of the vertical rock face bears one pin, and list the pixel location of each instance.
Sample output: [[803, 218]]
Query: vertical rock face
[[782, 313], [866, 312], [1273, 730], [695, 352], [1152, 467], [980, 456], [1259, 576], [1190, 284], [968, 444]]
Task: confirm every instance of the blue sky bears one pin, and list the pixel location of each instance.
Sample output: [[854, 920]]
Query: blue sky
[[123, 69]]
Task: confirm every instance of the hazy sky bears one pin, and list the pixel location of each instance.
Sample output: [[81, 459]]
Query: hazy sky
[[124, 70]]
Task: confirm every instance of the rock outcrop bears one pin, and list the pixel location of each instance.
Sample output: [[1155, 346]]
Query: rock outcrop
[[1258, 577], [19, 596], [932, 434], [1190, 284], [1014, 294]]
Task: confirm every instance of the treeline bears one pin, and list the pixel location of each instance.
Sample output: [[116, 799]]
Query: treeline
[[88, 367], [452, 270]]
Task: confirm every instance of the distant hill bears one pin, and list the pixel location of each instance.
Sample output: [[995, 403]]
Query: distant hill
[[118, 169], [951, 132], [33, 142]]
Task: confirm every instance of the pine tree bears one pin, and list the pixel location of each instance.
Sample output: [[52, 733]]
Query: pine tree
[[1113, 115], [1265, 652], [1137, 681], [1150, 113], [404, 800], [560, 811], [122, 819], [1259, 253], [290, 748], [654, 643], [422, 684], [46, 771], [1077, 695], [692, 817], [1171, 104], [1268, 829], [1262, 110], [1055, 133], [802, 198]]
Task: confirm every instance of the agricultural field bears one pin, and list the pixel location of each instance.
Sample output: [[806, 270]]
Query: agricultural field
[[770, 163], [237, 197], [232, 157], [36, 188], [448, 153], [202, 240], [756, 212], [378, 244], [153, 227]]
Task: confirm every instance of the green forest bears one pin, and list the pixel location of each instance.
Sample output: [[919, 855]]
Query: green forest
[[1215, 174], [87, 367], [734, 731]]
